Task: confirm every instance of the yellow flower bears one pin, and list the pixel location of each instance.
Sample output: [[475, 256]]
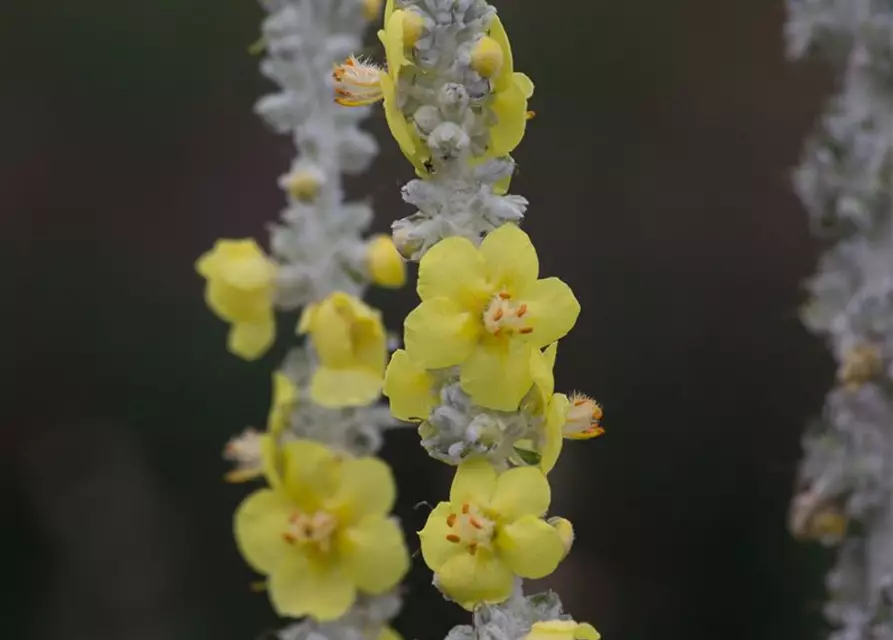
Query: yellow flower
[[489, 531], [350, 341], [240, 284], [409, 388], [486, 310], [321, 533], [562, 630], [385, 264], [511, 90]]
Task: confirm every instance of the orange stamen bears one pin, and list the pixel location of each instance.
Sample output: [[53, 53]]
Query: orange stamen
[[475, 523], [525, 330], [465, 507], [453, 538], [522, 309], [473, 548], [505, 295], [451, 519], [498, 315]]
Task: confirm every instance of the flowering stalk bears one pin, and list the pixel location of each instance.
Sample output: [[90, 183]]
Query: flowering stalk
[[320, 531], [476, 373], [846, 182]]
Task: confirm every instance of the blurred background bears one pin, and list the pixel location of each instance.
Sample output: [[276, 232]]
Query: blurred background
[[658, 174]]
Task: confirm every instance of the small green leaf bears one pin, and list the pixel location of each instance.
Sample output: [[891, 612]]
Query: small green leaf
[[529, 457]]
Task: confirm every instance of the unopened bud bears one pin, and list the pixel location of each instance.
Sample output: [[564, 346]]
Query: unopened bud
[[565, 531], [371, 9], [413, 27], [386, 266], [304, 184], [487, 57]]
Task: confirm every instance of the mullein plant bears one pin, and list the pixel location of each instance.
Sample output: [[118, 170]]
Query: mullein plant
[[476, 369], [319, 531], [845, 492]]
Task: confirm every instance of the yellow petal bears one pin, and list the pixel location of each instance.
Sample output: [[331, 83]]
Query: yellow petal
[[388, 10], [439, 333], [497, 32], [270, 460], [552, 310], [524, 83], [497, 374], [329, 326], [521, 491], [454, 268], [475, 481], [302, 586], [284, 397], [237, 305], [542, 369], [251, 341], [407, 139], [366, 488], [311, 472], [393, 43], [473, 579], [258, 525], [512, 263], [336, 388], [552, 437], [409, 388], [374, 554], [562, 630], [531, 548], [436, 549], [510, 108]]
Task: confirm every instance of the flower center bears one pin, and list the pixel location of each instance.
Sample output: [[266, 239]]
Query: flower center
[[311, 529], [505, 317], [470, 527], [357, 83]]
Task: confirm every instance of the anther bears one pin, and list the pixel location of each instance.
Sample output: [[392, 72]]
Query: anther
[[451, 519], [473, 548], [525, 330], [498, 315], [505, 295], [453, 538], [475, 523], [465, 507], [522, 309]]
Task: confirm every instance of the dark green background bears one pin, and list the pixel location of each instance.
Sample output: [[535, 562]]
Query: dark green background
[[657, 170]]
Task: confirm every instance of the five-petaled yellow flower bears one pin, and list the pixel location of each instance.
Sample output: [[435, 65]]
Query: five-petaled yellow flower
[[349, 338], [490, 530], [486, 310], [562, 630], [240, 285], [321, 532]]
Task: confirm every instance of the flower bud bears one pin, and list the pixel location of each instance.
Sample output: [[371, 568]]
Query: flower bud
[[371, 9], [386, 266], [413, 26], [487, 57], [304, 184], [565, 530]]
